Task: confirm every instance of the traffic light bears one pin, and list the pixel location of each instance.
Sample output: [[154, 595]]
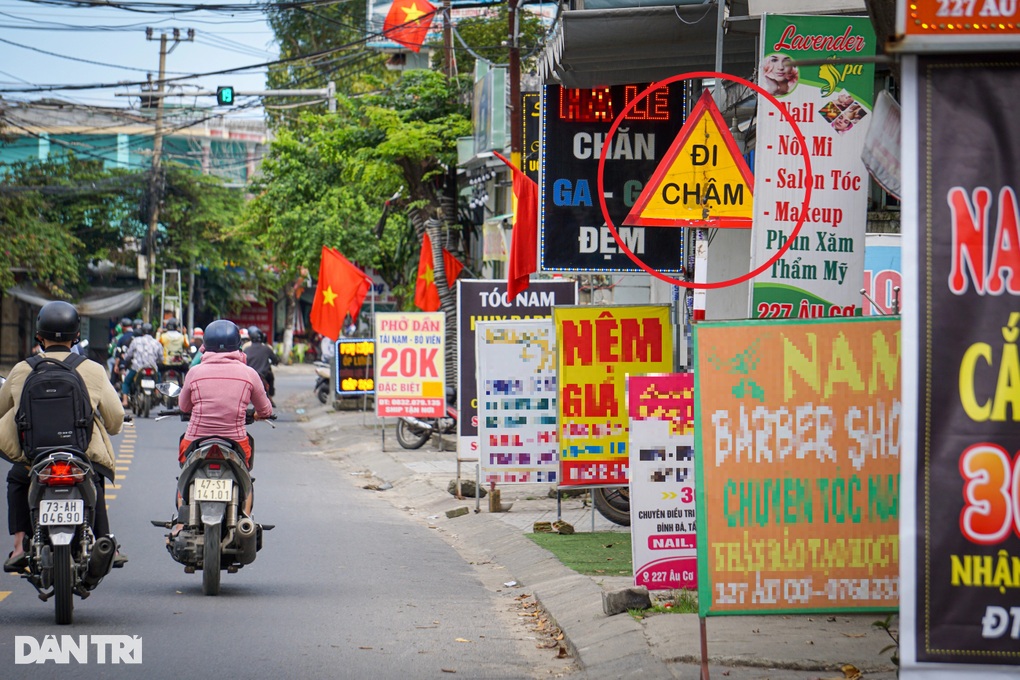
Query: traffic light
[[225, 96]]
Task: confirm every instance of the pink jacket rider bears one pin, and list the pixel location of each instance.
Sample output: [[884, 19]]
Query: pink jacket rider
[[217, 392]]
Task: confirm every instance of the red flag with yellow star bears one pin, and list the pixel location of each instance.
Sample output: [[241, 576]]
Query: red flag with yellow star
[[408, 22], [426, 295], [341, 289]]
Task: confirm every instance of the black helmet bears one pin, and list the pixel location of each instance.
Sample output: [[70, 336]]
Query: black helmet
[[59, 321], [222, 336], [171, 324], [254, 334], [147, 329], [136, 323], [125, 322]]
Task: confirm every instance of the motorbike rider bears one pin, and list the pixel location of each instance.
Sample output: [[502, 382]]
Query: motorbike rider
[[175, 343], [196, 346], [217, 392], [144, 350], [262, 358], [57, 330]]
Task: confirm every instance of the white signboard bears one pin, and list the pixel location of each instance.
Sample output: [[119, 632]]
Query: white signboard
[[517, 401], [662, 508]]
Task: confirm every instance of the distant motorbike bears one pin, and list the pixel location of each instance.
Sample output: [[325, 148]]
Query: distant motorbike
[[213, 486], [413, 433], [174, 369], [143, 394], [322, 381]]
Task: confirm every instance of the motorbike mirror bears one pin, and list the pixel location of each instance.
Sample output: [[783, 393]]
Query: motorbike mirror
[[168, 389]]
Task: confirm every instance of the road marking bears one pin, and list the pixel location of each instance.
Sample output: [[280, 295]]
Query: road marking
[[110, 497], [5, 593]]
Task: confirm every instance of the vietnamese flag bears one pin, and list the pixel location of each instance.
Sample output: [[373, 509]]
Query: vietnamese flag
[[341, 289], [524, 236], [426, 294], [408, 22]]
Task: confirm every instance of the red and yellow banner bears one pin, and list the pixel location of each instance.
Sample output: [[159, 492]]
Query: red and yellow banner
[[798, 460], [598, 347]]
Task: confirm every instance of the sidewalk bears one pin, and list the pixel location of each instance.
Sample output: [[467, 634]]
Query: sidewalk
[[661, 646]]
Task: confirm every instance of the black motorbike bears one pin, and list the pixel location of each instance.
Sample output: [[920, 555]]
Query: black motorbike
[[412, 433], [213, 487], [65, 557]]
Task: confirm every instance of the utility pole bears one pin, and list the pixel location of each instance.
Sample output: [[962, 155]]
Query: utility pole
[[155, 190], [516, 122], [447, 39]]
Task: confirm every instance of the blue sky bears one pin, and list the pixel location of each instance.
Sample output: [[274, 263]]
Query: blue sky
[[28, 30]]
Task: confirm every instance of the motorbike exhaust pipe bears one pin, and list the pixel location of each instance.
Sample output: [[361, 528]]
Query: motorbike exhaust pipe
[[100, 561], [417, 423], [246, 540]]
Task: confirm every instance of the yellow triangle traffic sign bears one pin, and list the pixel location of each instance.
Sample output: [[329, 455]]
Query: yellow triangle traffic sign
[[702, 181]]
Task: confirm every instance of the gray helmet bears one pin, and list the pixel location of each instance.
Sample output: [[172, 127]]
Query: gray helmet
[[58, 321], [255, 334], [171, 324]]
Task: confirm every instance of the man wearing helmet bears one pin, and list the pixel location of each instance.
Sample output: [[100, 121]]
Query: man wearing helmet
[[144, 350], [57, 330], [175, 343], [217, 392], [262, 358]]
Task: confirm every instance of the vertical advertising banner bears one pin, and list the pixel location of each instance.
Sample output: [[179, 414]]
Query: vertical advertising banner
[[797, 432], [597, 348], [962, 547], [517, 401], [662, 510], [486, 300], [820, 275], [354, 367], [409, 364]]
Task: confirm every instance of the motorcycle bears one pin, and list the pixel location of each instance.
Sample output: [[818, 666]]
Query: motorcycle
[[412, 433], [142, 393], [613, 503], [175, 368], [213, 486], [322, 381]]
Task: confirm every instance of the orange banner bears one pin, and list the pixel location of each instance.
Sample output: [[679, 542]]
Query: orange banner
[[797, 453]]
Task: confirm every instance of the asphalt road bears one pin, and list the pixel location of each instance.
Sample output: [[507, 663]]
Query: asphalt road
[[346, 585]]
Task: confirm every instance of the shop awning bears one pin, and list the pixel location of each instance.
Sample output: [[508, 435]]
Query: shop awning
[[98, 302], [593, 48]]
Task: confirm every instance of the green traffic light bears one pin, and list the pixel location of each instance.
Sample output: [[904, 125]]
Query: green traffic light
[[225, 96]]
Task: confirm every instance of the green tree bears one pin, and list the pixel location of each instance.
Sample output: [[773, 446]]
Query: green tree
[[327, 177], [198, 234], [330, 39], [60, 216], [486, 36]]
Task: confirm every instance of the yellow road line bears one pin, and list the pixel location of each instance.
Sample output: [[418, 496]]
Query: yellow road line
[[111, 496], [5, 593]]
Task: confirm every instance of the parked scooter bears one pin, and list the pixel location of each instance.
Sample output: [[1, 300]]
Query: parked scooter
[[412, 433], [322, 381], [64, 557], [213, 487]]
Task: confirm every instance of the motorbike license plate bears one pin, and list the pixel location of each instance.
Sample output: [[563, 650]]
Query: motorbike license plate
[[217, 490], [148, 384], [54, 513]]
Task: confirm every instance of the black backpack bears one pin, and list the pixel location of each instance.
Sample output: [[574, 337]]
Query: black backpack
[[55, 410]]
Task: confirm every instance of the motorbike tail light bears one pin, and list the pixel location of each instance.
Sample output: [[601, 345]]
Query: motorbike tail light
[[62, 474], [214, 466], [215, 452], [148, 370]]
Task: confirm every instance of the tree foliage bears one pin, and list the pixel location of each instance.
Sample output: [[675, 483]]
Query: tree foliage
[[60, 216], [487, 36], [327, 178]]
